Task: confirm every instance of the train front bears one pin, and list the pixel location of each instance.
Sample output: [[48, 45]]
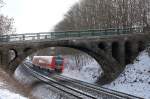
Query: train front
[[51, 63]]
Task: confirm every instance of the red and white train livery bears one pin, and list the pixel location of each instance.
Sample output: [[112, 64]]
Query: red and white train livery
[[55, 63]]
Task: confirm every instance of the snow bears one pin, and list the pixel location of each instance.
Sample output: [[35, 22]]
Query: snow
[[44, 92], [88, 73], [23, 76], [7, 88], [135, 79], [6, 94]]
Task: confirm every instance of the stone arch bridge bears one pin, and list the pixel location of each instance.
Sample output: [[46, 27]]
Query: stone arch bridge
[[111, 48]]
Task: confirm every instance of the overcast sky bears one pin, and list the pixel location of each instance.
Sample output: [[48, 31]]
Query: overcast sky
[[36, 15]]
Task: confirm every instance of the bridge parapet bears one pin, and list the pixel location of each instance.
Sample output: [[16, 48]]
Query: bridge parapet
[[68, 34]]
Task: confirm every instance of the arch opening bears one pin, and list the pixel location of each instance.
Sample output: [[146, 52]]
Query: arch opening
[[128, 52], [102, 45], [27, 49], [109, 72], [115, 50], [12, 54], [78, 64], [141, 46]]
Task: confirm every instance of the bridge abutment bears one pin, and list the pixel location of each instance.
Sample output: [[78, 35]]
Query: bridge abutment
[[134, 51], [109, 48]]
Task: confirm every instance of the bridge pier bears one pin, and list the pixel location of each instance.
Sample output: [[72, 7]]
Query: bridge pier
[[109, 48], [0, 57], [134, 51], [121, 53], [4, 58]]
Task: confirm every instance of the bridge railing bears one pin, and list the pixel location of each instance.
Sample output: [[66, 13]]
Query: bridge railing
[[68, 34]]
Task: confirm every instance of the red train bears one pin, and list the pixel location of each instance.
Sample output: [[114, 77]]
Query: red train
[[52, 63]]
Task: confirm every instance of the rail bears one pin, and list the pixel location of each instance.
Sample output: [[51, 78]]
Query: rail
[[91, 91], [68, 34], [69, 90], [98, 88]]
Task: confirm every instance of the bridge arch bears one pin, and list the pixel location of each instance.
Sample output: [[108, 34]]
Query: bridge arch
[[109, 65]]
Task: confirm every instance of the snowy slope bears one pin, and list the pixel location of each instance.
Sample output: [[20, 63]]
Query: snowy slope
[[88, 73], [8, 90], [136, 78], [23, 77], [6, 94]]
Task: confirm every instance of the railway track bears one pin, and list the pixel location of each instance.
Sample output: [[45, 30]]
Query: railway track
[[78, 89], [74, 93], [101, 90]]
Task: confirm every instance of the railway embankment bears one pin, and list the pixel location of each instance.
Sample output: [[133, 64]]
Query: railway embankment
[[10, 88]]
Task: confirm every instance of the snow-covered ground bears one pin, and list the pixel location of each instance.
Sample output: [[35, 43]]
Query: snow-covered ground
[[44, 91], [7, 88], [24, 77], [88, 73], [6, 94], [134, 80]]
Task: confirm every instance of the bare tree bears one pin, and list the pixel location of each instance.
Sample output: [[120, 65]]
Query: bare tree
[[102, 14], [6, 24]]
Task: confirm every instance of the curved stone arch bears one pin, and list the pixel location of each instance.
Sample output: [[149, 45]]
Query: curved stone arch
[[110, 66]]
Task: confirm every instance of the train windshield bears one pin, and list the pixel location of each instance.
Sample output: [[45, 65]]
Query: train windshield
[[59, 60]]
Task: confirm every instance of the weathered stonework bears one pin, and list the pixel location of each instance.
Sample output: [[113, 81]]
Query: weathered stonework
[[111, 52]]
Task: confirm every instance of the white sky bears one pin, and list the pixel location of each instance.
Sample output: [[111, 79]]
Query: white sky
[[36, 15]]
